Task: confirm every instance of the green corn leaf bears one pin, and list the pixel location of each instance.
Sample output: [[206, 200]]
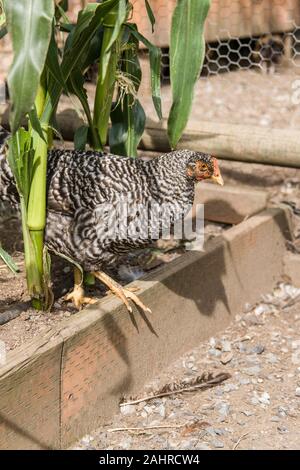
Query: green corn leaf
[[75, 52], [112, 29], [91, 55], [66, 27], [98, 25], [2, 15], [103, 99], [52, 62], [3, 32], [76, 86], [90, 19], [128, 124], [105, 89], [8, 261], [84, 19], [49, 297], [70, 260], [29, 22], [64, 5], [81, 137], [3, 28], [89, 280], [150, 14], [155, 66], [128, 117], [35, 122], [20, 159], [60, 10], [187, 49]]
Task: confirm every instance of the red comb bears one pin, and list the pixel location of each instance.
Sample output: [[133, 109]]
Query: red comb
[[216, 166]]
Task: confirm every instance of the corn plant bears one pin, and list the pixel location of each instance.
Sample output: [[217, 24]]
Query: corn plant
[[44, 66]]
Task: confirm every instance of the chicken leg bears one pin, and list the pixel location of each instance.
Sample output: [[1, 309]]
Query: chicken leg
[[77, 295], [122, 292]]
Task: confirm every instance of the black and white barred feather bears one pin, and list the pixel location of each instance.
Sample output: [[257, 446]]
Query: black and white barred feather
[[8, 191]]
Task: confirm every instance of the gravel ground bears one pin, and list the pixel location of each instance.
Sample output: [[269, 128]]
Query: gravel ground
[[258, 407]]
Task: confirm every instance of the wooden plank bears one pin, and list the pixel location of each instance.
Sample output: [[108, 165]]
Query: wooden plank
[[292, 268], [30, 396], [70, 381], [230, 204], [285, 15], [231, 141], [226, 19], [108, 353]]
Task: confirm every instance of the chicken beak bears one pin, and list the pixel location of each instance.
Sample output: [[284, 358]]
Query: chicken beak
[[217, 179]]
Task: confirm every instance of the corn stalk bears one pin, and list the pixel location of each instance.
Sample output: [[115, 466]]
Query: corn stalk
[[29, 24]]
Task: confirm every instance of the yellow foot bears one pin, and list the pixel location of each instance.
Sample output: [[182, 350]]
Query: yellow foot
[[121, 292], [130, 295], [131, 289], [78, 298]]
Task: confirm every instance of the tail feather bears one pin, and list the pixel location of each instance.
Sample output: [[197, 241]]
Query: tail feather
[[8, 191]]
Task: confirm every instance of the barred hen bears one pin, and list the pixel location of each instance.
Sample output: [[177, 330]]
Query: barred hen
[[84, 188]]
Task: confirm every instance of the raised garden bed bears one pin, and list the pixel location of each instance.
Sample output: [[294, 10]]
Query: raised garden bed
[[69, 380], [224, 207]]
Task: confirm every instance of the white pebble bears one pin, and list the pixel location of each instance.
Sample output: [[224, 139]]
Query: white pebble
[[127, 410]]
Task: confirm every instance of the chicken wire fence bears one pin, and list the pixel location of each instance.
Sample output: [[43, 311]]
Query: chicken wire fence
[[251, 71]]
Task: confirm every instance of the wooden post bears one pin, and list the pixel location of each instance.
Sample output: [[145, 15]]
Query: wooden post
[[228, 141], [231, 142]]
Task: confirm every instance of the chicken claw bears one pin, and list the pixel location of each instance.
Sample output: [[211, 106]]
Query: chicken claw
[[77, 295], [122, 292], [78, 298]]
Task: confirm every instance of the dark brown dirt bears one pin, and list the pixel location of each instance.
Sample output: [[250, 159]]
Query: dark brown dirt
[[13, 295]]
